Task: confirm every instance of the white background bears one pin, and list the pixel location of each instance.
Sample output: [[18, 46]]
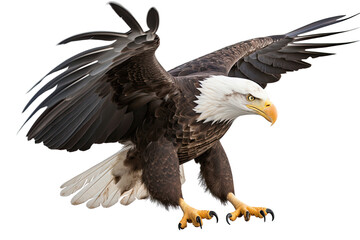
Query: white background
[[305, 167]]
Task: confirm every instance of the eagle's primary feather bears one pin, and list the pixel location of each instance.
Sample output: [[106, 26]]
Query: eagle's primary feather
[[120, 93]]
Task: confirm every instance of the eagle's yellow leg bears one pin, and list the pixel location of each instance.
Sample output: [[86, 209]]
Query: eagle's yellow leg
[[241, 209], [193, 215]]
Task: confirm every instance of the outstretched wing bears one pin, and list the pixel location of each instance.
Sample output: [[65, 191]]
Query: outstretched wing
[[263, 60], [105, 92]]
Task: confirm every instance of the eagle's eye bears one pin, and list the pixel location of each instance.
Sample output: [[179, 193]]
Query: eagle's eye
[[250, 97]]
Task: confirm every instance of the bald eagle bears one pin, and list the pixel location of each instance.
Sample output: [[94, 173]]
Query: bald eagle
[[120, 93]]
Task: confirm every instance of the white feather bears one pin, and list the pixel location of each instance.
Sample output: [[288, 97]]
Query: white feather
[[93, 188], [107, 197], [113, 198], [182, 174]]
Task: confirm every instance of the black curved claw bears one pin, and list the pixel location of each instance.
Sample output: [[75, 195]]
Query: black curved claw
[[263, 214], [199, 221], [247, 216], [268, 210], [228, 216], [212, 214], [179, 226]]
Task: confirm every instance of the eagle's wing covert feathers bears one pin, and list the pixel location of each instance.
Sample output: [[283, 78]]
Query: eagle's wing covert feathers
[[105, 92]]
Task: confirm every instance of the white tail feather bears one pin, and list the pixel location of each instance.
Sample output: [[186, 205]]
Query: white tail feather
[[80, 180], [112, 199], [103, 195], [93, 188], [98, 186], [139, 191]]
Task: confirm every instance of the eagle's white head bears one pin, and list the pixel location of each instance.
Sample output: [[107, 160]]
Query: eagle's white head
[[222, 99]]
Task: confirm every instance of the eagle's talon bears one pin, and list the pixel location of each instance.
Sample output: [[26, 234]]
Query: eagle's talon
[[179, 226], [263, 214], [247, 216], [212, 214], [198, 220], [268, 210], [228, 216]]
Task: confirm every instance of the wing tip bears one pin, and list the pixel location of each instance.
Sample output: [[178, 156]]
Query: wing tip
[[129, 19], [114, 4], [152, 19], [319, 24], [350, 16]]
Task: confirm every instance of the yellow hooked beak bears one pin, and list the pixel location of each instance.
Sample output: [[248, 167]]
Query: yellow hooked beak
[[265, 109]]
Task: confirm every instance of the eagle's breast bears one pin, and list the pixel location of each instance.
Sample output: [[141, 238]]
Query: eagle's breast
[[192, 135], [198, 138]]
